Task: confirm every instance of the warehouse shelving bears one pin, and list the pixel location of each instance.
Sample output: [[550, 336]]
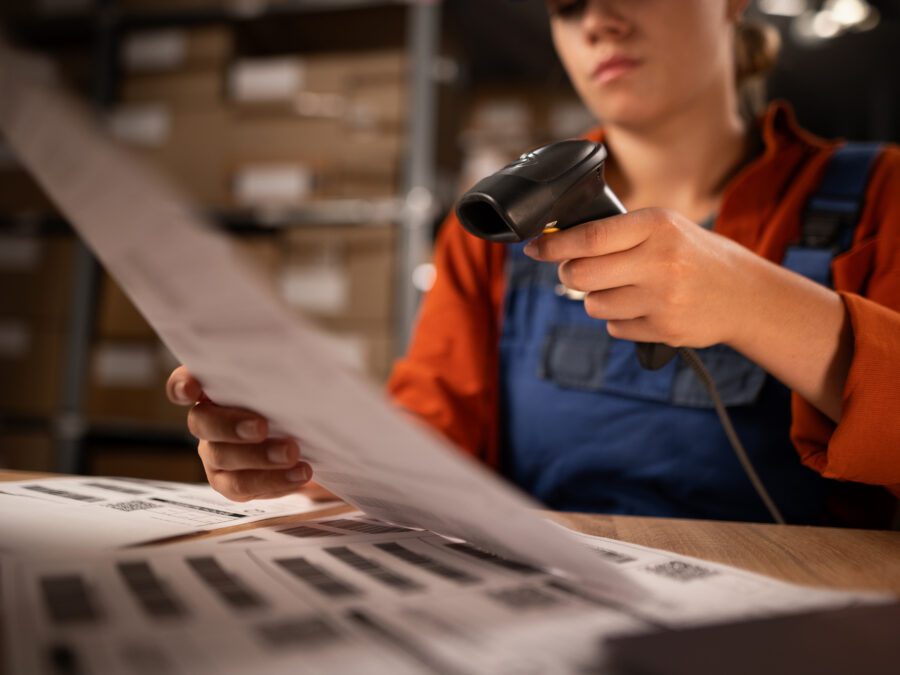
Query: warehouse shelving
[[414, 211]]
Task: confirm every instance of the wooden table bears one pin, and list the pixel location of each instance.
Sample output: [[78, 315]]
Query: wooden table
[[817, 556]]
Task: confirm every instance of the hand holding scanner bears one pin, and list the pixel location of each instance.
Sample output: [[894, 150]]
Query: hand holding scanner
[[552, 188]]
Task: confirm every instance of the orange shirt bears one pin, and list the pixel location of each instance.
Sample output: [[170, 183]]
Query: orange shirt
[[450, 375]]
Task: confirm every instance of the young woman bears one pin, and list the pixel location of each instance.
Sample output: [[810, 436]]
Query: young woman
[[547, 388]]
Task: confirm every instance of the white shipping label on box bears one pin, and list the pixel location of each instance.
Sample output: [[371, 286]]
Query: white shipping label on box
[[19, 254], [127, 366], [321, 288], [155, 50], [273, 184], [15, 339], [265, 80], [145, 125]]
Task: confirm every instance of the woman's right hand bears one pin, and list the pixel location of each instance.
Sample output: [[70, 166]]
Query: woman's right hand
[[241, 461]]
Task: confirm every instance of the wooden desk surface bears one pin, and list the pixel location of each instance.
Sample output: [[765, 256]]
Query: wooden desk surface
[[817, 556]]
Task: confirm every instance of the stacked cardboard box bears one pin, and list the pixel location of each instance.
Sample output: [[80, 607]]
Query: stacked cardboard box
[[27, 450], [35, 283]]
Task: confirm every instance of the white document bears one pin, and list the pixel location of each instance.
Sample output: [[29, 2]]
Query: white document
[[98, 512], [250, 351], [350, 600]]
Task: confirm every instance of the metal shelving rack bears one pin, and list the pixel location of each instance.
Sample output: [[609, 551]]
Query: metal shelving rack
[[414, 211]]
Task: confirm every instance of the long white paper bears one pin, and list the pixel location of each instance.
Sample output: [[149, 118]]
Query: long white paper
[[99, 512], [349, 601], [249, 351]]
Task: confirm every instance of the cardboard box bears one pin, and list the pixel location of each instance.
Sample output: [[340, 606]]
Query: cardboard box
[[36, 275], [20, 194], [174, 49], [345, 272], [188, 146], [27, 451], [364, 346], [147, 461], [31, 368], [127, 382], [117, 317], [180, 90]]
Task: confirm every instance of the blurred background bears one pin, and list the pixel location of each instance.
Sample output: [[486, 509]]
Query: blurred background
[[328, 139]]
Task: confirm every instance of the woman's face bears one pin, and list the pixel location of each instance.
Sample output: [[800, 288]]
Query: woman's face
[[635, 61]]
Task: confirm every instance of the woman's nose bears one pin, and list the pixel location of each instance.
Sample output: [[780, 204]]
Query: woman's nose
[[605, 19]]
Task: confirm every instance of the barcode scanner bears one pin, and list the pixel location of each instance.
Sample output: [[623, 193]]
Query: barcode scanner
[[552, 188], [559, 186]]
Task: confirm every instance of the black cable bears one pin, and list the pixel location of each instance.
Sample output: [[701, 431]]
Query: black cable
[[689, 356]]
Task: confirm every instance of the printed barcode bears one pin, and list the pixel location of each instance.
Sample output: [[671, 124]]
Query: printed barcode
[[150, 591], [613, 556], [304, 531], [133, 505], [68, 599], [308, 633], [116, 488], [428, 563], [242, 540], [228, 586], [318, 578], [506, 563], [373, 568], [62, 493], [525, 597], [363, 527], [681, 571]]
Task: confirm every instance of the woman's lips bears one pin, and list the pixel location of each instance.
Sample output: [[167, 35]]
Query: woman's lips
[[613, 68]]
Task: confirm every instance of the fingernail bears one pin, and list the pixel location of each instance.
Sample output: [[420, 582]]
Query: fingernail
[[299, 474], [249, 430], [279, 454]]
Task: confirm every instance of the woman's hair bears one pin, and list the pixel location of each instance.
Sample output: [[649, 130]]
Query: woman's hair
[[756, 47]]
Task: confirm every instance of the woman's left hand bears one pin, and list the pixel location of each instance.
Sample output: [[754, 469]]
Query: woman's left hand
[[654, 275]]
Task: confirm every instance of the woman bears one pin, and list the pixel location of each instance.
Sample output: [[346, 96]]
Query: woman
[[513, 370]]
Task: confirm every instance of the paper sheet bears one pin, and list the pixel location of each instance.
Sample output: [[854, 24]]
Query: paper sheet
[[100, 512], [352, 601], [249, 351]]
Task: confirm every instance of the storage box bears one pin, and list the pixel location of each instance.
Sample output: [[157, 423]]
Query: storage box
[[180, 90], [117, 317], [27, 451], [127, 381], [20, 194], [189, 146], [31, 368], [364, 346], [345, 272], [173, 49], [36, 275], [146, 461]]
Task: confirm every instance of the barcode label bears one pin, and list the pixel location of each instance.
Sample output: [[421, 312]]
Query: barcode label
[[318, 578], [373, 569], [428, 563], [505, 563], [524, 598], [303, 531], [62, 493], [68, 599], [116, 488], [228, 586], [681, 571], [305, 633], [196, 507], [363, 527], [133, 505], [150, 592]]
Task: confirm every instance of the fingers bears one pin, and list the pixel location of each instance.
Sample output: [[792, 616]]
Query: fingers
[[617, 304], [317, 493], [627, 268], [599, 237], [275, 453], [242, 486], [182, 388], [210, 422]]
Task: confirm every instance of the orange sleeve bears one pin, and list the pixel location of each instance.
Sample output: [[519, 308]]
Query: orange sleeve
[[865, 446], [449, 376]]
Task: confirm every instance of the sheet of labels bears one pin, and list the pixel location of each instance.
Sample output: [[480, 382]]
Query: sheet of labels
[[349, 594], [90, 512]]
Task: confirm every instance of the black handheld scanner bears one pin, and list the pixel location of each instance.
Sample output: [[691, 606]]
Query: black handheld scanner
[[552, 188]]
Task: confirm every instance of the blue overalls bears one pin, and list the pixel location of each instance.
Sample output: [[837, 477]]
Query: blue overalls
[[585, 428]]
